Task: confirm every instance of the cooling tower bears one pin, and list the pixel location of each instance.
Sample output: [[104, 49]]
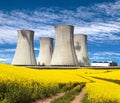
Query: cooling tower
[[45, 53], [80, 43], [64, 52], [24, 54]]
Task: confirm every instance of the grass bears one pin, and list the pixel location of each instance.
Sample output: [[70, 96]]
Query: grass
[[69, 95]]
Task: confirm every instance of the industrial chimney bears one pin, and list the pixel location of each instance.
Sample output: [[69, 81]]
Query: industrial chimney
[[64, 51], [80, 43], [45, 53], [24, 54]]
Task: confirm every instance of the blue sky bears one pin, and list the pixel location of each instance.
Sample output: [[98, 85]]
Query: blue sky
[[99, 19]]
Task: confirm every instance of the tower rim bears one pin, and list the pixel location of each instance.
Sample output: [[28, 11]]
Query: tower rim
[[80, 34], [25, 30], [63, 25], [46, 38]]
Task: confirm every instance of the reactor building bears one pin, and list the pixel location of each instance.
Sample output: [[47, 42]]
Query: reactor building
[[45, 52], [24, 54], [80, 43], [64, 51]]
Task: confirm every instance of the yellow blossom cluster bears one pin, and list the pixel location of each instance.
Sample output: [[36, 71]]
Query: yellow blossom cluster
[[102, 86]]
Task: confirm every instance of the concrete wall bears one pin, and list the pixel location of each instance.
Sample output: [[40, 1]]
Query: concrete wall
[[64, 52], [80, 43], [45, 53], [24, 54]]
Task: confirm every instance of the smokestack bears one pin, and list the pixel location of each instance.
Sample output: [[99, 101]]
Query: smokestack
[[80, 43], [24, 54], [64, 51], [45, 53]]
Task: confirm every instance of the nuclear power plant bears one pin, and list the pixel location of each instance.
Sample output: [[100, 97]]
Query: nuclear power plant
[[64, 52], [69, 50], [80, 43], [24, 54], [45, 52]]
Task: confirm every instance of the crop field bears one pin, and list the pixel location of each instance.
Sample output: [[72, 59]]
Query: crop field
[[23, 85]]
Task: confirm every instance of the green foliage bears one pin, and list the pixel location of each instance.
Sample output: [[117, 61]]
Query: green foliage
[[25, 93], [3, 90], [70, 94], [14, 92], [4, 101], [67, 86], [17, 93]]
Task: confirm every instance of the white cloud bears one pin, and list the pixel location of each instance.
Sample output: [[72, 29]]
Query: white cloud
[[37, 49], [6, 58], [111, 9], [101, 56], [7, 50], [3, 60], [99, 22]]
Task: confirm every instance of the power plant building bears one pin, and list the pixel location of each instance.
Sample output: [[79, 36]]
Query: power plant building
[[64, 51], [80, 43], [24, 54], [45, 53], [103, 63]]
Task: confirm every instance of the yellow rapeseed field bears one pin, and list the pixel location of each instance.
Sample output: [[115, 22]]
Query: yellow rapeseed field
[[102, 86]]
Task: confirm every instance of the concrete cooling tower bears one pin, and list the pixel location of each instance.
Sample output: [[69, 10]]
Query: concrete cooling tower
[[45, 53], [24, 54], [64, 52], [80, 43]]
